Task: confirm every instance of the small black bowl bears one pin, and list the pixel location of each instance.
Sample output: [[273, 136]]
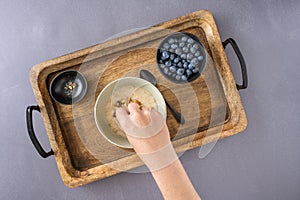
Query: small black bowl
[[68, 87], [167, 64]]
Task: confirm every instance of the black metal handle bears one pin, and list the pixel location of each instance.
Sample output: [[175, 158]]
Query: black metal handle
[[31, 132], [179, 118], [241, 60]]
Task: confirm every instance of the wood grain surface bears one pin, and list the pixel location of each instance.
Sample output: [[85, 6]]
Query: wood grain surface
[[211, 104]]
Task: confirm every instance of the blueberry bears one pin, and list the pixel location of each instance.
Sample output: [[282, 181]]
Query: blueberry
[[185, 65], [184, 61], [168, 63], [172, 56], [179, 64], [169, 73], [189, 56], [195, 70], [162, 66], [188, 72], [172, 68], [178, 51], [175, 40], [176, 60], [185, 49], [196, 46], [183, 56], [197, 53], [189, 46], [200, 58], [171, 41], [173, 75], [190, 40], [165, 55], [166, 46], [171, 50], [184, 38], [166, 70], [191, 66], [174, 46], [180, 71], [181, 44], [194, 61], [192, 49], [177, 77], [183, 77]]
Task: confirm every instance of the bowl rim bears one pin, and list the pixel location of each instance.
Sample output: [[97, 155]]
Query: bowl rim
[[101, 131]]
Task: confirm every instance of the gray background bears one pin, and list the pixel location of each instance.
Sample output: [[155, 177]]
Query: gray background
[[263, 162]]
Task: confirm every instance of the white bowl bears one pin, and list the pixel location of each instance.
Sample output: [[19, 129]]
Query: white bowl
[[105, 96]]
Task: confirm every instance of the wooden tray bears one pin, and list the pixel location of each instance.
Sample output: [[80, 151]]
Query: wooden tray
[[81, 153]]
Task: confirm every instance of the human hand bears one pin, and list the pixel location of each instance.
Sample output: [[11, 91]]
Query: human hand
[[148, 133], [136, 124]]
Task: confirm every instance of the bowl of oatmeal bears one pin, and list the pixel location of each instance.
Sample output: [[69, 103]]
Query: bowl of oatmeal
[[120, 93]]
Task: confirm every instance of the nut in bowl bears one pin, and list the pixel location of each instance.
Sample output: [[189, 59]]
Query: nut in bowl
[[119, 93]]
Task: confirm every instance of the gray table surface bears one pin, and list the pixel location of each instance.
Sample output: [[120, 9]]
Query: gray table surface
[[263, 162]]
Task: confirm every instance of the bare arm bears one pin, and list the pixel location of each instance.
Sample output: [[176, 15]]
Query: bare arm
[[174, 183], [159, 156]]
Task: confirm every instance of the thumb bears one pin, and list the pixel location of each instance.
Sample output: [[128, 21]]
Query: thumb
[[122, 116]]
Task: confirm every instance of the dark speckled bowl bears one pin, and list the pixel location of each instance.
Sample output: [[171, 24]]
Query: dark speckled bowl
[[68, 87]]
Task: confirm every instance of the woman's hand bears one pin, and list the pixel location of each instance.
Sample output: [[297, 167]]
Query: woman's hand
[[148, 133], [144, 141]]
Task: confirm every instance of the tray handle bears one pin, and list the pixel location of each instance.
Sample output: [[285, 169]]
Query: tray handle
[[31, 132], [241, 60]]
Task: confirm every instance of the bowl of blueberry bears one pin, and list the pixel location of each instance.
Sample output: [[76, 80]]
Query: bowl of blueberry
[[181, 57]]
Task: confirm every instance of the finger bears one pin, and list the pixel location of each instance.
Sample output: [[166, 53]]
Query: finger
[[139, 119], [122, 116], [146, 110], [133, 107]]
